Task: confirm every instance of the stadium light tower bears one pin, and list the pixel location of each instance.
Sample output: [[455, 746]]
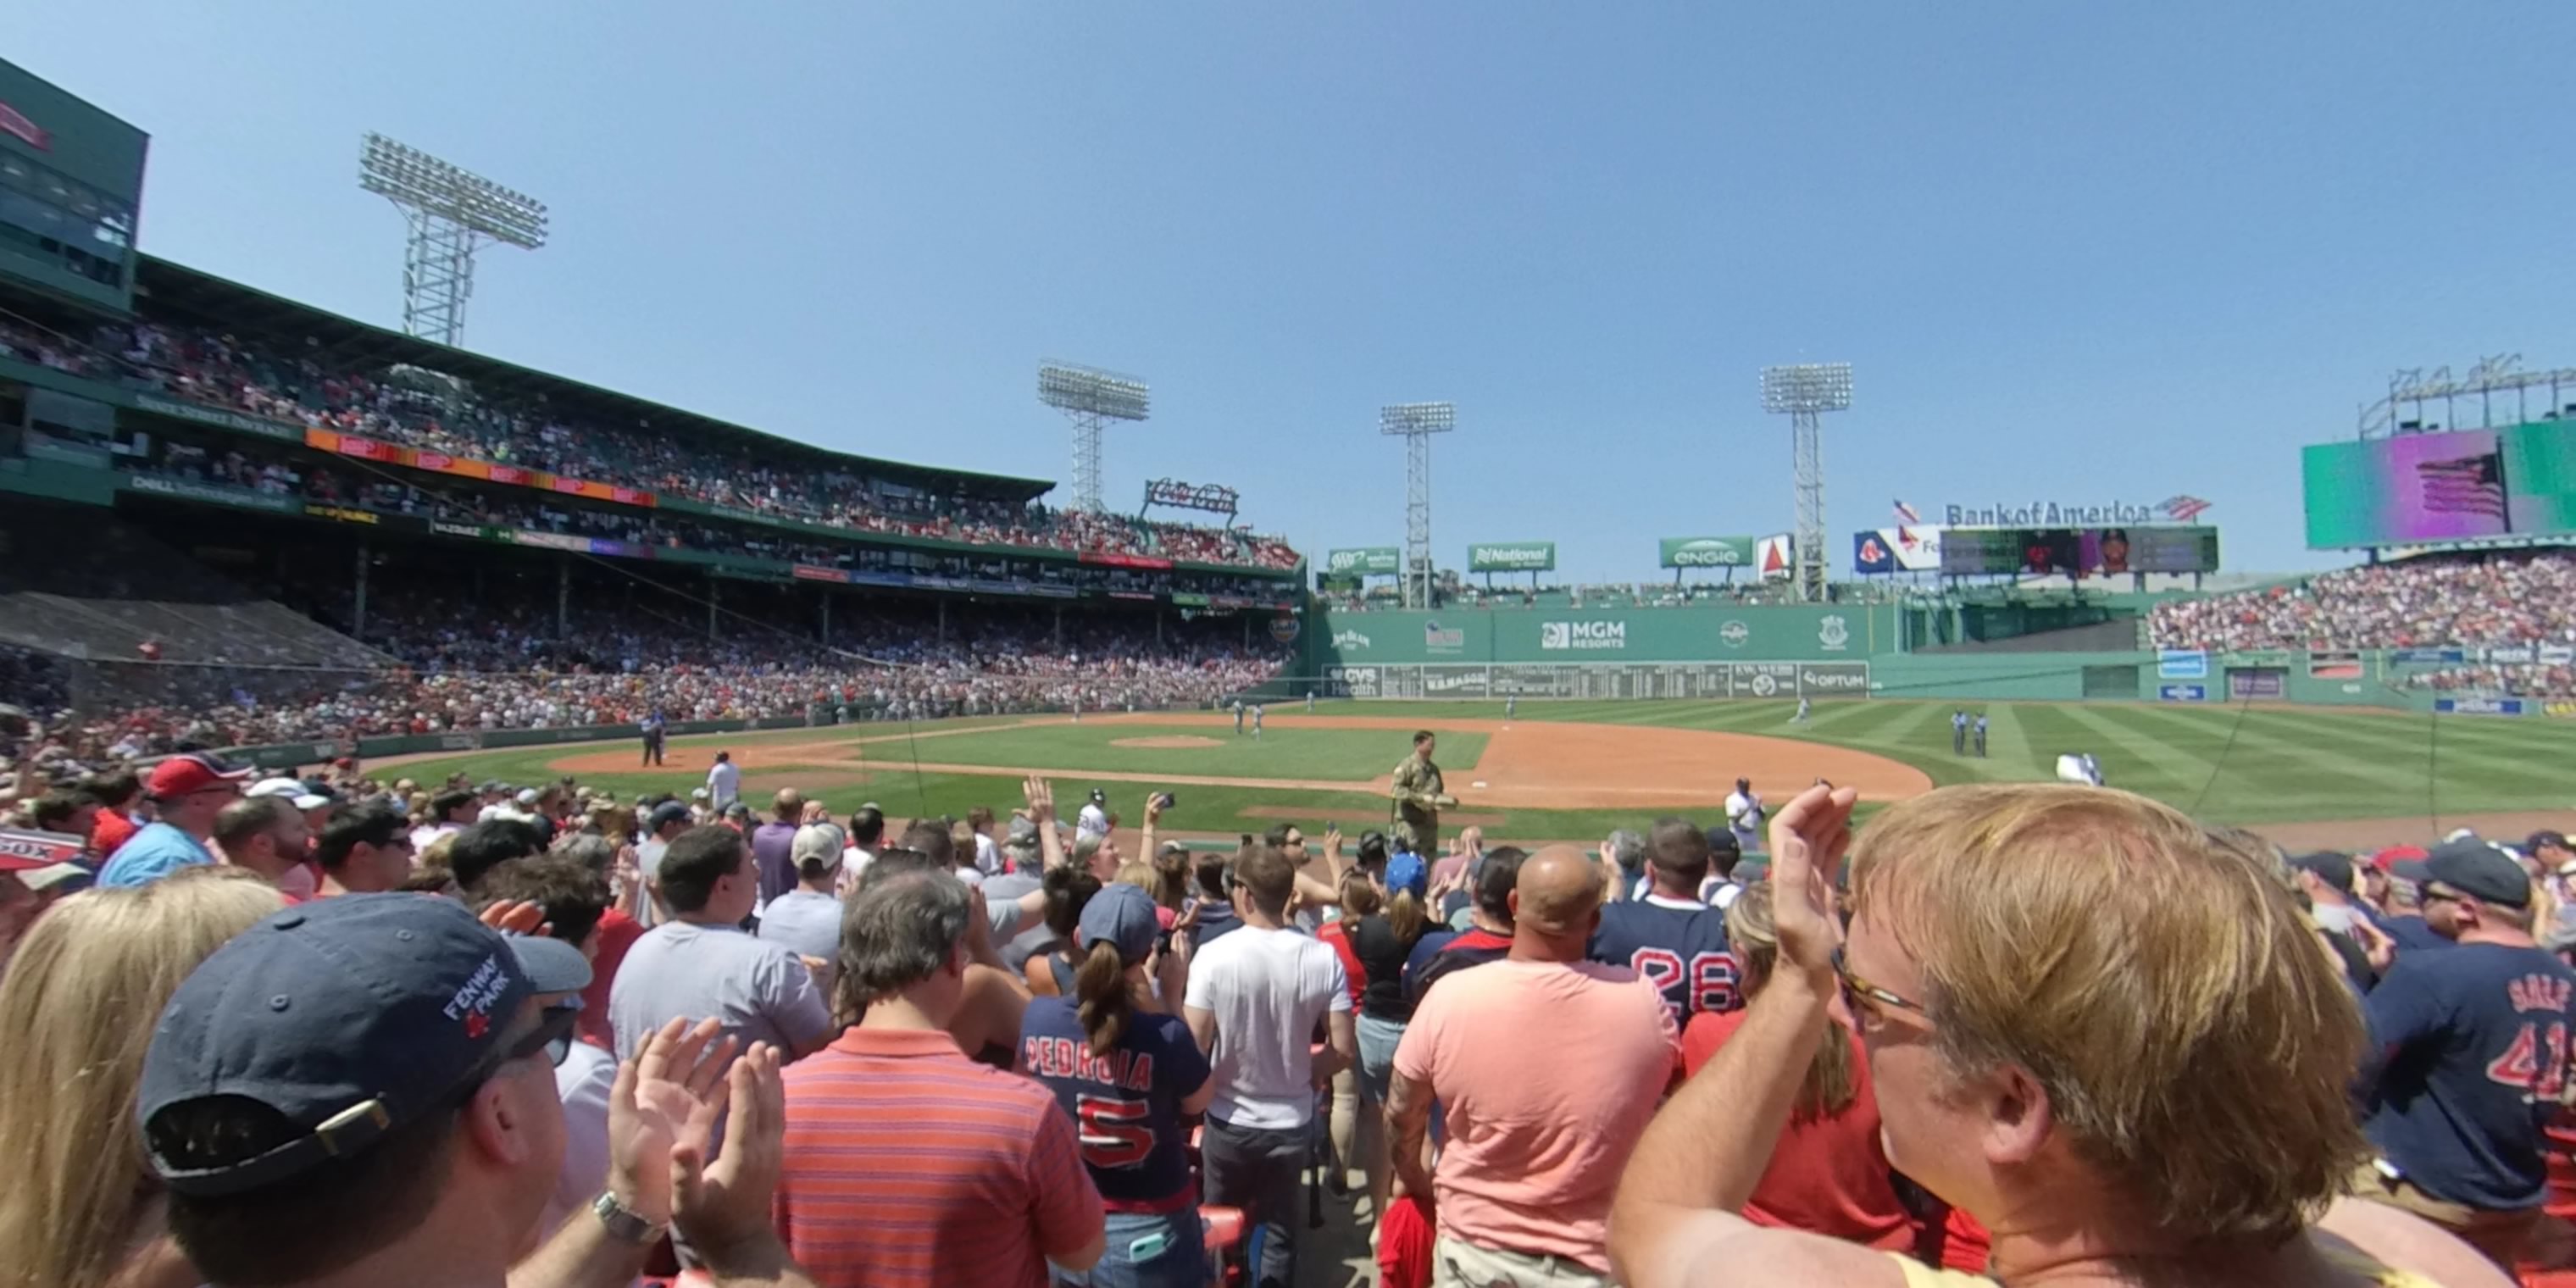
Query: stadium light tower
[[452, 212], [1090, 398], [1415, 423], [1802, 393]]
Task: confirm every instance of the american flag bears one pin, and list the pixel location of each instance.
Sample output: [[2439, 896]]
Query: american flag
[[2183, 508], [2468, 485], [1905, 514]]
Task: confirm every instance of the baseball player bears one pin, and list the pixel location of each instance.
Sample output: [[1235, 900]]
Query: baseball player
[[1744, 815], [1238, 717], [1511, 705], [653, 730], [1801, 717], [1419, 795], [1981, 735], [1094, 818], [1256, 721], [1958, 733], [1310, 702]]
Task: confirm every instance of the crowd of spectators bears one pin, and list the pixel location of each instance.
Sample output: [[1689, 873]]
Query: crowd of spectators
[[465, 664], [432, 412], [298, 1031], [2520, 601]]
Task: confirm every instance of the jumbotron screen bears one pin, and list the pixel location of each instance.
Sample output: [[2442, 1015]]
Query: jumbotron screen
[[2079, 552], [2441, 486]]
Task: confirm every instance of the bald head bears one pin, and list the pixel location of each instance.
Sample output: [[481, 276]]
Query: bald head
[[1555, 904], [789, 805]]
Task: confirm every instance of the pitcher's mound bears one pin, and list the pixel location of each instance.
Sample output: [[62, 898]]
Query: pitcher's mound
[[1167, 742]]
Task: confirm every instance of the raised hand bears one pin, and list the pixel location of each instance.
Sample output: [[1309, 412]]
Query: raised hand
[[516, 917], [1041, 799], [1808, 840], [723, 1210], [665, 1099]]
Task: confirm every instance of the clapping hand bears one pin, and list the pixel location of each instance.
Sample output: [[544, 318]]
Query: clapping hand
[[724, 1210], [1808, 839], [666, 1100]]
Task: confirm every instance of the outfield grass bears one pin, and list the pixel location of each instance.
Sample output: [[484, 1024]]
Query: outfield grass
[[2224, 764]]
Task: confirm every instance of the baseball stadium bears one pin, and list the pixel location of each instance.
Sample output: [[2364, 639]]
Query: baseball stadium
[[387, 593], [310, 538]]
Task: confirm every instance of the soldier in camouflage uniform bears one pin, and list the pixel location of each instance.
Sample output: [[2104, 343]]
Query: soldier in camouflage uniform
[[1419, 795]]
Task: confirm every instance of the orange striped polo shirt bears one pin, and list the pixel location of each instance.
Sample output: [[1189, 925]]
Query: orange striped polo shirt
[[908, 1164]]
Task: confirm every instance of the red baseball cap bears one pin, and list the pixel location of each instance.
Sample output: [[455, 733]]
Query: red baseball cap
[[180, 775], [2397, 854]]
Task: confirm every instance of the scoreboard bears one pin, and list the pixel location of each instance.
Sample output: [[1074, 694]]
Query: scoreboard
[[2079, 552], [71, 188]]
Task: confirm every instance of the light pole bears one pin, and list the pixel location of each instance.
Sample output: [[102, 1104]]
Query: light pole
[[1802, 393], [452, 212], [1415, 423], [1090, 398]]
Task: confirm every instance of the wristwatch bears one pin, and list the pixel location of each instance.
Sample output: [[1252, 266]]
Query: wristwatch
[[625, 1224]]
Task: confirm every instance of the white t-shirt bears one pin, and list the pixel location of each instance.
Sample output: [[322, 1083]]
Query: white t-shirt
[[988, 856], [583, 1082], [1743, 813], [1266, 988], [724, 784]]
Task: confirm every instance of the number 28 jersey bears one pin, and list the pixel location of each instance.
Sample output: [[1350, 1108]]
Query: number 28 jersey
[[1126, 1105], [1681, 949]]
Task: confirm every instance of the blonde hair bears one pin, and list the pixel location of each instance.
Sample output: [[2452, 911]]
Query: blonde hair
[[79, 1004], [1137, 873], [2158, 983], [1830, 1087]]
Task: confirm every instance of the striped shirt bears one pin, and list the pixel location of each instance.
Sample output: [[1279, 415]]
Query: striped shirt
[[908, 1164]]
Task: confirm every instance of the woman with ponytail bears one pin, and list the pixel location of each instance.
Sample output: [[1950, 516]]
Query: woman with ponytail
[[1051, 968], [1126, 1071], [1382, 941], [1829, 1173]]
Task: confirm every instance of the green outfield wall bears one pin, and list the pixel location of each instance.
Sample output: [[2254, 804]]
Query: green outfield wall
[[1565, 635]]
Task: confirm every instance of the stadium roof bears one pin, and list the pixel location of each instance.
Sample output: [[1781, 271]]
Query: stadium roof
[[186, 289]]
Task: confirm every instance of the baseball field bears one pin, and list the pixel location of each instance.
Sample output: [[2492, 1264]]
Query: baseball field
[[1572, 771]]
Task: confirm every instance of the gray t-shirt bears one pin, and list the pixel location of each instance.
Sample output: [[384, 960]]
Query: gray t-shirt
[[1003, 892], [756, 989], [806, 922]]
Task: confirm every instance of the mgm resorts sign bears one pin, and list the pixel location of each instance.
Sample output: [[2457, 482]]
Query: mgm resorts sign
[[2047, 514]]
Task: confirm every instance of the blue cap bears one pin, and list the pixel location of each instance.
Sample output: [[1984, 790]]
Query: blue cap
[[347, 1017], [1407, 871], [1123, 915]]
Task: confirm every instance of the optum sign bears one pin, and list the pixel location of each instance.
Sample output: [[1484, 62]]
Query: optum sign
[[1517, 556], [1707, 552]]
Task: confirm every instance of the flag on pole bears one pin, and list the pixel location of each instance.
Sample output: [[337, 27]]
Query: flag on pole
[[1905, 514]]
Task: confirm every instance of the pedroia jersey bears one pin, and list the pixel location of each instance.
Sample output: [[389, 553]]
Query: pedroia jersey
[[1681, 948]]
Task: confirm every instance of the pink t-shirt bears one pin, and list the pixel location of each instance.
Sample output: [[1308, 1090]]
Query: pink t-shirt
[[1536, 1145]]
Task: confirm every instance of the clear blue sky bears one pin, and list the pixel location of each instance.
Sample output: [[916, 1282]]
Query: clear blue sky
[[2075, 251]]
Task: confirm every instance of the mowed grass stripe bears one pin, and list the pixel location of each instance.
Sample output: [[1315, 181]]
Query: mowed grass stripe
[[2143, 762], [2266, 769]]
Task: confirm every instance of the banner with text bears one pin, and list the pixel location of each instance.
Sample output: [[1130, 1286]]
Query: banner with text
[[1366, 561], [1512, 556], [1707, 552]]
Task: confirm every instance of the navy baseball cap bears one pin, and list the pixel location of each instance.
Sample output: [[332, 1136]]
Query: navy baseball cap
[[347, 1017], [2474, 868], [1123, 915]]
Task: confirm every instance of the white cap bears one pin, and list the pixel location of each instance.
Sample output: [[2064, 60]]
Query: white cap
[[292, 789], [698, 795], [527, 796]]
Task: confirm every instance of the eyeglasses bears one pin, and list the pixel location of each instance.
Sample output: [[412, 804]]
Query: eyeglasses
[[1863, 996], [2428, 894]]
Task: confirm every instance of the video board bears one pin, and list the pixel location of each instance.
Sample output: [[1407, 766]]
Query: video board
[[2515, 481], [2078, 552]]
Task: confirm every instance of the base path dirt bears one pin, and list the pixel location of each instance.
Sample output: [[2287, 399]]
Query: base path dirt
[[1535, 764], [1170, 742]]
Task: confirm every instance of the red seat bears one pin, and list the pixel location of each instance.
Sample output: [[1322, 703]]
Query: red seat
[[1224, 1228]]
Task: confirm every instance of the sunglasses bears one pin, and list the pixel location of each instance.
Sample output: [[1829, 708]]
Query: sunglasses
[[1864, 997]]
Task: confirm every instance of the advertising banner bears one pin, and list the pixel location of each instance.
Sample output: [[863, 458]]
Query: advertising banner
[[1775, 558], [2481, 706], [2181, 664], [1365, 561], [212, 493], [1512, 556], [2182, 693], [1902, 549], [1706, 552]]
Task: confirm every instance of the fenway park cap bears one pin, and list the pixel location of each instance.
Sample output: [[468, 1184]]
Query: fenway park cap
[[345, 1019]]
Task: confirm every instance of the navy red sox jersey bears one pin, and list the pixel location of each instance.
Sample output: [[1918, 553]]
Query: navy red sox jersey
[[1682, 949]]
